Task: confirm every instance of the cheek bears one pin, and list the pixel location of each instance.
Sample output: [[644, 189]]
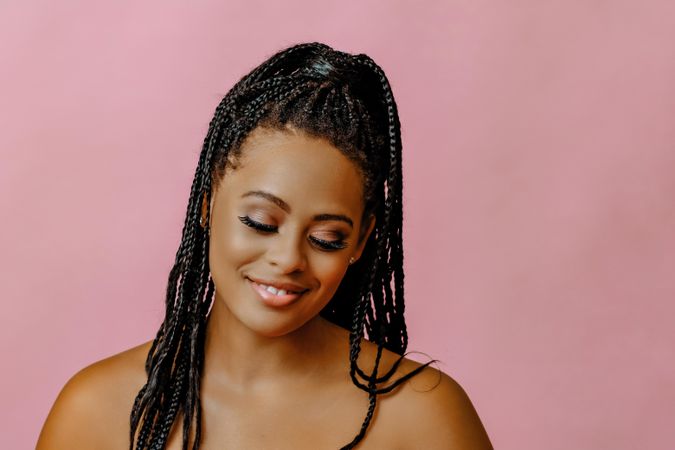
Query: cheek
[[230, 246], [329, 271]]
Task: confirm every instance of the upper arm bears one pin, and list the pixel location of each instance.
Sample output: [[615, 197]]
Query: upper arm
[[439, 415]]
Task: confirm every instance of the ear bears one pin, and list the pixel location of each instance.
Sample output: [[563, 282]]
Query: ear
[[368, 226]]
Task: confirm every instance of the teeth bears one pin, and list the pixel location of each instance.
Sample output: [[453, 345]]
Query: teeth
[[272, 290], [276, 291]]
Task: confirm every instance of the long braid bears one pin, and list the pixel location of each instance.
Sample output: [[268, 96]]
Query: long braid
[[177, 391], [372, 402], [348, 100], [393, 212]]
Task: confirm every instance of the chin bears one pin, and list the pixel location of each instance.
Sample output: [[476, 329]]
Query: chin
[[264, 321], [249, 309], [272, 325]]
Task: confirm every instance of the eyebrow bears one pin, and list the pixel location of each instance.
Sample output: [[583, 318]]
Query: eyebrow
[[283, 205]]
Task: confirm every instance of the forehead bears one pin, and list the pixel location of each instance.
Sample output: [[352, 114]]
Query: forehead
[[302, 170]]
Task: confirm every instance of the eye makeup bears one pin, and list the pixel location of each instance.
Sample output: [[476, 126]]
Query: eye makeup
[[266, 228], [286, 208], [259, 226]]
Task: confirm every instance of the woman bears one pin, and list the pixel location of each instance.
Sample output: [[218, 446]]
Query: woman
[[291, 251]]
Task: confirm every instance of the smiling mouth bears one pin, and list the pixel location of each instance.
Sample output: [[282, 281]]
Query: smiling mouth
[[278, 288], [275, 291], [274, 297]]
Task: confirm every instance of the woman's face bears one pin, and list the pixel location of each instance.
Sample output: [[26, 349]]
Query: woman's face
[[284, 225]]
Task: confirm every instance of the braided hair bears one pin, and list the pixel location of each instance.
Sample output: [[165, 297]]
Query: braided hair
[[326, 93]]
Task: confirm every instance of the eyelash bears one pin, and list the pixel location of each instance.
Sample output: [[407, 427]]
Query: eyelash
[[264, 228]]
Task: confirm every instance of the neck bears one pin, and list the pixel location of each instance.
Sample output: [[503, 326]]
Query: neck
[[244, 359]]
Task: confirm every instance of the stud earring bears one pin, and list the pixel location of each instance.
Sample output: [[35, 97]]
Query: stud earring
[[351, 260]]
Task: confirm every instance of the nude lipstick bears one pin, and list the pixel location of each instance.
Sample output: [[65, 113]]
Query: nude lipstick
[[271, 296]]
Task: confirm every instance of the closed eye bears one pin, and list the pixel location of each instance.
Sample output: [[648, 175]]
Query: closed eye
[[265, 228], [328, 245], [258, 226]]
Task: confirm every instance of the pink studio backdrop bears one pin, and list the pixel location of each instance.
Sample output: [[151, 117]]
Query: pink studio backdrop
[[539, 213]]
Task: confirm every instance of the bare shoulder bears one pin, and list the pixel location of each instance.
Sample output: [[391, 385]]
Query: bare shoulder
[[430, 410], [92, 410]]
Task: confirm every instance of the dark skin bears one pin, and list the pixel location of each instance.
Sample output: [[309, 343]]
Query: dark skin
[[277, 377]]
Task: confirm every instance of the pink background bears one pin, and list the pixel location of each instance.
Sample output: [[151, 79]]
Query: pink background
[[539, 146]]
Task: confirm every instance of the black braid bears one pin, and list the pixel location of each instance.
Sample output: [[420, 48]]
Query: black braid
[[346, 99]]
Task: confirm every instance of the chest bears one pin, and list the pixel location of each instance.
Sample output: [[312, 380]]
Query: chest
[[294, 422]]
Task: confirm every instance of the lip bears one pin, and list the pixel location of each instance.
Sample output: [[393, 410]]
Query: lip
[[274, 284], [271, 299]]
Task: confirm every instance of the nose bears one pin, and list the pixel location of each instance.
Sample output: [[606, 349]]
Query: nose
[[287, 253]]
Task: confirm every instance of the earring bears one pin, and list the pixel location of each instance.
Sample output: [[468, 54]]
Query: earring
[[351, 260]]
